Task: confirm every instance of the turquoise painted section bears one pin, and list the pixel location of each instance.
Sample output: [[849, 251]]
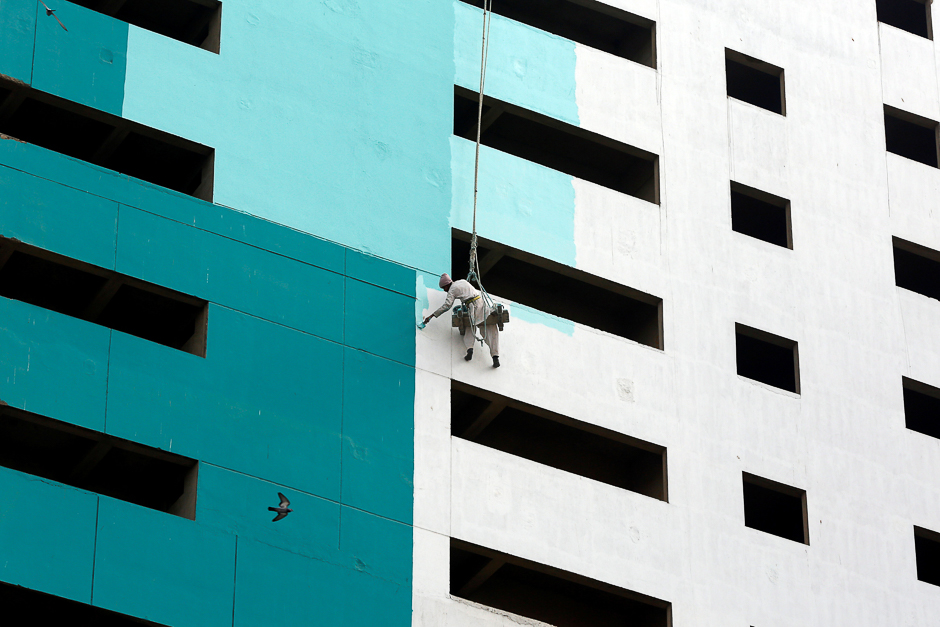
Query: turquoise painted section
[[53, 365], [277, 585], [378, 435], [53, 216], [85, 64], [237, 503], [18, 25], [379, 321], [370, 269], [266, 400], [255, 281], [520, 204], [380, 547], [162, 568], [343, 109], [525, 66], [422, 303], [36, 549], [534, 316]]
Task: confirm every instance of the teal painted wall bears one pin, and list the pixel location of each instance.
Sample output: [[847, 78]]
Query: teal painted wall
[[307, 387]]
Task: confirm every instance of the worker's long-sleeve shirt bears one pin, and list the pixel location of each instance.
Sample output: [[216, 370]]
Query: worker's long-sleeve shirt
[[459, 289]]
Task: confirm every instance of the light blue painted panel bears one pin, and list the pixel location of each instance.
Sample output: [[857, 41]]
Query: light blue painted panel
[[377, 546], [521, 204], [162, 568], [380, 322], [238, 503], [224, 271], [275, 586], [85, 64], [370, 269], [266, 400], [39, 551], [57, 218], [378, 435], [52, 364], [18, 28], [526, 66], [370, 169]]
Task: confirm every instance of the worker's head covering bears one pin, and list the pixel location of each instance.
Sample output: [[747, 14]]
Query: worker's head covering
[[445, 280]]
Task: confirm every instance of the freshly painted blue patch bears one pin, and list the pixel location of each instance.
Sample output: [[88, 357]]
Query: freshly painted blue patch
[[18, 25], [162, 568], [520, 204], [57, 218], [534, 316], [53, 365], [350, 145], [85, 64], [422, 303], [526, 66], [49, 549]]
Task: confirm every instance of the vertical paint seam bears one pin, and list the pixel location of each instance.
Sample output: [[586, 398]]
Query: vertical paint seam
[[342, 435], [234, 580], [107, 383], [94, 552], [32, 61]]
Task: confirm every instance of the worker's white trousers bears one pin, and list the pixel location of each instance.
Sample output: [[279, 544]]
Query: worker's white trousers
[[489, 333]]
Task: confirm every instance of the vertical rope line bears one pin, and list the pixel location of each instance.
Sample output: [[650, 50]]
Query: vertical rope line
[[484, 52]]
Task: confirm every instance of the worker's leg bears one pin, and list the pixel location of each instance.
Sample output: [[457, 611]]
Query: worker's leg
[[491, 337]]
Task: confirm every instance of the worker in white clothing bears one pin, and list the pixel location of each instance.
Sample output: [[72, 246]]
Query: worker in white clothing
[[471, 297]]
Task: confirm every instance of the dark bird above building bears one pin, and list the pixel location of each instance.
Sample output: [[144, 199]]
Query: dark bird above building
[[283, 509], [52, 13]]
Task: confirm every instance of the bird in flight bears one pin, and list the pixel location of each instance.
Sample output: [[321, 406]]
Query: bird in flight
[[284, 508], [52, 13]]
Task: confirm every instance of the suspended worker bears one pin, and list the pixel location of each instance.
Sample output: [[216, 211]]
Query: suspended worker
[[470, 296]]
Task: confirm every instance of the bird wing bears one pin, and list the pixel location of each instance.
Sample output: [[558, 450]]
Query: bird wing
[[279, 516], [284, 501], [60, 23]]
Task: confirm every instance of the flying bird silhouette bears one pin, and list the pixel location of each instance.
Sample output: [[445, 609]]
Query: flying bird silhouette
[[283, 509], [52, 13]]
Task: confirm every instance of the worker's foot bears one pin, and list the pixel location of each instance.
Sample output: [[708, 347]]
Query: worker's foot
[[496, 361], [469, 355]]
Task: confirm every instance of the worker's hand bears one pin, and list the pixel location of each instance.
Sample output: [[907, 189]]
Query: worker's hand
[[428, 319]]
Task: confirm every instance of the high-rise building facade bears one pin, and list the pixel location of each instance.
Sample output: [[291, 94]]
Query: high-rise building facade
[[714, 225]]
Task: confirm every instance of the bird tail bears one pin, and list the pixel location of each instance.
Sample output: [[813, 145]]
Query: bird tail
[[272, 509]]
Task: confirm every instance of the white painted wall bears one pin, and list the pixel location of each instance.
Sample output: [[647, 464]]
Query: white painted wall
[[868, 479]]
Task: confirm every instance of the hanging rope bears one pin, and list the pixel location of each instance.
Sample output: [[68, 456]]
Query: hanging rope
[[474, 260]]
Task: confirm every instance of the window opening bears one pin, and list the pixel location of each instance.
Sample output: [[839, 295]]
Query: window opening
[[911, 136], [910, 15], [559, 441], [547, 594], [760, 215], [195, 22], [563, 291], [767, 358], [557, 145], [927, 550], [47, 609], [916, 268], [775, 508], [74, 288], [754, 81], [593, 24], [107, 140], [93, 461], [921, 407]]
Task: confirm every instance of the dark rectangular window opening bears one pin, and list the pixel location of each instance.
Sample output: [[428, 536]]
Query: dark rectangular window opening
[[775, 508], [195, 22], [93, 461], [36, 608], [927, 549], [106, 140], [916, 268], [562, 291], [74, 288], [547, 594], [557, 145], [767, 358], [910, 15], [587, 22], [557, 441], [911, 136], [754, 81], [761, 215], [921, 407]]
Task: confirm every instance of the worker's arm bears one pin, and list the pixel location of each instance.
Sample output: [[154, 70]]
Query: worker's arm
[[448, 303]]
